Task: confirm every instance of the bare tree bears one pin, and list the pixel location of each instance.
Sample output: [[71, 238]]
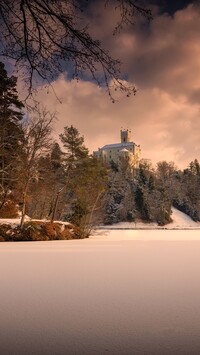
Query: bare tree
[[43, 36], [37, 133]]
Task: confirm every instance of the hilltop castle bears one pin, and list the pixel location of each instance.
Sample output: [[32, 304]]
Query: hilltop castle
[[126, 149]]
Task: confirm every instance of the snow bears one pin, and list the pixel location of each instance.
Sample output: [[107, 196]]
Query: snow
[[16, 221], [117, 145], [13, 221], [148, 235], [99, 296], [119, 292], [180, 221]]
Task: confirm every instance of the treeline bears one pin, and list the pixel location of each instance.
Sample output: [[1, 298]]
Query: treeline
[[52, 180], [149, 193]]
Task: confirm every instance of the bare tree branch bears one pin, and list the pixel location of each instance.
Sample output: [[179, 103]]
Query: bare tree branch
[[45, 37]]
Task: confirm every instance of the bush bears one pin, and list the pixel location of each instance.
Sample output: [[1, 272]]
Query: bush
[[39, 231], [130, 216], [9, 210]]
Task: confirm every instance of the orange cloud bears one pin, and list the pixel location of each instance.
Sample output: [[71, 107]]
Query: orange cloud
[[164, 62]]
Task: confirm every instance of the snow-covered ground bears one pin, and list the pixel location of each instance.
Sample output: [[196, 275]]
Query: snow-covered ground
[[102, 295], [16, 221], [119, 292], [180, 221]]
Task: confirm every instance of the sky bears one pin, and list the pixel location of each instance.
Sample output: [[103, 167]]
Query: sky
[[162, 59]]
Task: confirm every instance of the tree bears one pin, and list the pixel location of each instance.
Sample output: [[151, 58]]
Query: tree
[[44, 189], [42, 35], [87, 187], [85, 181], [11, 134], [37, 133], [56, 156], [194, 167], [187, 193], [165, 170], [74, 145], [119, 200]]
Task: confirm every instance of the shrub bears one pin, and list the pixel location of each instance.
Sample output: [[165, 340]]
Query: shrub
[[39, 231], [9, 210]]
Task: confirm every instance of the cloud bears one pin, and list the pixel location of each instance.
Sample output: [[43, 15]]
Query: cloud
[[164, 62]]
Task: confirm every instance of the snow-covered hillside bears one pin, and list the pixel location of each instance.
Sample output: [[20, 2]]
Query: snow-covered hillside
[[181, 220]]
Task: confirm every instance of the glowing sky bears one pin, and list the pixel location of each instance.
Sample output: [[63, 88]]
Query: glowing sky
[[163, 60]]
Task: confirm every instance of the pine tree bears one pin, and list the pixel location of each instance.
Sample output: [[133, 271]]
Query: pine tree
[[74, 145], [197, 165], [11, 134], [119, 200], [56, 156]]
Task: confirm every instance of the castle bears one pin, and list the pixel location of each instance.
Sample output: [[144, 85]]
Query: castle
[[126, 149]]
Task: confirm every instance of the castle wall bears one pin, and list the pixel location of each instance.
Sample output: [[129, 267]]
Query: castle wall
[[111, 152]]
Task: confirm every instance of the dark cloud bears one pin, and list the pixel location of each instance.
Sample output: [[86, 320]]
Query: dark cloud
[[165, 64], [170, 6]]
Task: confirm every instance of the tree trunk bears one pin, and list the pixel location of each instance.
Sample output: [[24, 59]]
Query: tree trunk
[[88, 225], [55, 205], [54, 208], [24, 205], [3, 198], [23, 210]]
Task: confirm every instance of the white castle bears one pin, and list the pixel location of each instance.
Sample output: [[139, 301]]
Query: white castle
[[126, 149]]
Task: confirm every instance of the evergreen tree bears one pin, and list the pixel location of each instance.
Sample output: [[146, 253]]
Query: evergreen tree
[[56, 156], [119, 199], [194, 167], [186, 194], [142, 204], [197, 165], [74, 145], [11, 134]]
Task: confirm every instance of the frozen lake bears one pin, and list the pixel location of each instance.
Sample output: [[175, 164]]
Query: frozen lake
[[125, 292]]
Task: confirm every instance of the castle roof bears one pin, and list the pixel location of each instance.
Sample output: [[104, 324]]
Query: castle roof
[[118, 145]]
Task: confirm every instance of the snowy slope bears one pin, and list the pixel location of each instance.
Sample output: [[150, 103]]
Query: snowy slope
[[181, 220]]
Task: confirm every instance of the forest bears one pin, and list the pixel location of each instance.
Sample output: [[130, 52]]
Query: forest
[[60, 181]]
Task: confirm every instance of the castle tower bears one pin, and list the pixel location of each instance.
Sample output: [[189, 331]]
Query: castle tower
[[125, 135]]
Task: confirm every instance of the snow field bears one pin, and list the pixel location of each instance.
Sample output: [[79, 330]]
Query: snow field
[[99, 296], [119, 292]]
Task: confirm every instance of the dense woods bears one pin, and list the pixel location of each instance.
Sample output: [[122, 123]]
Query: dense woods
[[61, 181]]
